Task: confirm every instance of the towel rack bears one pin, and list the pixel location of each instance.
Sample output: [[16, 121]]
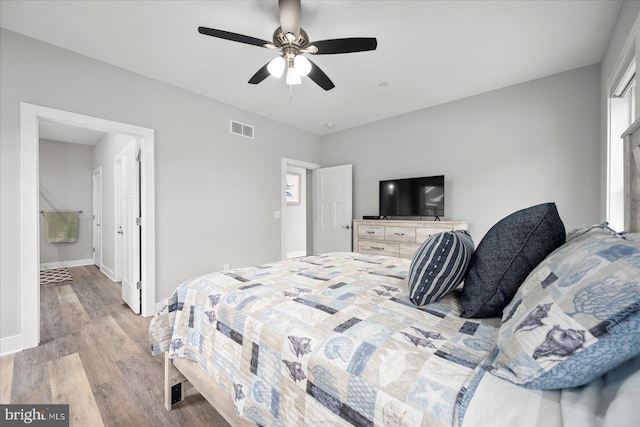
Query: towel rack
[[56, 211]]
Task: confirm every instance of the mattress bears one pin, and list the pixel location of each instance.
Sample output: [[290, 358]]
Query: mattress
[[334, 340]]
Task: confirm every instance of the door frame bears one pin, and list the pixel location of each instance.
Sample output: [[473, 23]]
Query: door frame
[[97, 230], [30, 117], [285, 164]]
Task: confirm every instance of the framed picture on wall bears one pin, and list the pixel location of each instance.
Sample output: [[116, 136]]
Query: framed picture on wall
[[293, 188]]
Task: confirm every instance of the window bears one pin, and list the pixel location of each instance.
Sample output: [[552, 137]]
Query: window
[[621, 115]]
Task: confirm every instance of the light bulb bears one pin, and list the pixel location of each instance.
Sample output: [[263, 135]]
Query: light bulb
[[302, 64], [293, 78], [276, 66]]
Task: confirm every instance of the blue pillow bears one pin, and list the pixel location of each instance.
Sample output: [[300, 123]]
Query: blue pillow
[[576, 317], [505, 257], [439, 266]]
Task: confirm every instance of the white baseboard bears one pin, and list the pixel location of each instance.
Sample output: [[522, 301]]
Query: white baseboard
[[60, 264], [107, 272], [296, 254], [10, 345]]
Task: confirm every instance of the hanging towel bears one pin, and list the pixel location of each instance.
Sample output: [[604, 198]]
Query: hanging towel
[[62, 226]]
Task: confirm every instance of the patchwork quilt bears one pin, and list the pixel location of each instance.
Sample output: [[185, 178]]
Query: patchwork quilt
[[331, 338]]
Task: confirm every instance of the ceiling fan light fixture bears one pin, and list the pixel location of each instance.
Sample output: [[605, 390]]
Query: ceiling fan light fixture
[[302, 65], [293, 77], [276, 66]]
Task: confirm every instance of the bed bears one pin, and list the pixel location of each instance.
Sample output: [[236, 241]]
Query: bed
[[338, 339]]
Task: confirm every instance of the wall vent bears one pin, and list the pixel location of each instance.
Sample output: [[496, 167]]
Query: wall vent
[[241, 129]]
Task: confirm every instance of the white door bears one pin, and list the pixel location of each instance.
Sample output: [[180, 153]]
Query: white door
[[332, 209], [128, 230], [97, 217]]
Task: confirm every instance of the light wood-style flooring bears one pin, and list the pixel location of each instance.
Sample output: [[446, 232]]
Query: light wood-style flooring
[[94, 355]]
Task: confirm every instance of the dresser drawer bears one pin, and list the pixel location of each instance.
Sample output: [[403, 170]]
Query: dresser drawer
[[408, 250], [423, 233], [379, 248], [371, 232], [400, 234]]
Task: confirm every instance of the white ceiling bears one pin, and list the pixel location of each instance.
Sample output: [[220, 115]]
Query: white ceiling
[[429, 52], [55, 131]]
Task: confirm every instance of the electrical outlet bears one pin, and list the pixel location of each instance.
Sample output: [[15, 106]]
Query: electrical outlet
[[225, 267], [176, 393]]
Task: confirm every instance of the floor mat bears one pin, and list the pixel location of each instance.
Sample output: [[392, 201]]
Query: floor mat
[[55, 275]]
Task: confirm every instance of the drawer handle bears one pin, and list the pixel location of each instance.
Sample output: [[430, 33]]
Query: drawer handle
[[377, 248], [371, 232], [399, 234]]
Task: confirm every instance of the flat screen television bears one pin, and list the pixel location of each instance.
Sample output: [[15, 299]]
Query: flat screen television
[[412, 197]]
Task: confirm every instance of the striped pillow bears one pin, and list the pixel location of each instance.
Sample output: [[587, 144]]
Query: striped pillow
[[439, 266]]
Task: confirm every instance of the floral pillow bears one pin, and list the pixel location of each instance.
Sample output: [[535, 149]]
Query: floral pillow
[[576, 316]]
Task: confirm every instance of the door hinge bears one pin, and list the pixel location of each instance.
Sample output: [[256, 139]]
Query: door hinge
[[138, 285], [94, 250], [139, 156], [138, 221]]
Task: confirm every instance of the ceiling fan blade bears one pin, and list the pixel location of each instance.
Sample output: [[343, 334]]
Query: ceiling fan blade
[[260, 75], [348, 45], [290, 16], [320, 78], [235, 37]]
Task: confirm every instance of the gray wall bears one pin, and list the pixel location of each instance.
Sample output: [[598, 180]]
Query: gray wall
[[65, 185], [215, 192], [500, 151]]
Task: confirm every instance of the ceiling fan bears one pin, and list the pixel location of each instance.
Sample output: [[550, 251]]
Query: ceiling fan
[[292, 42]]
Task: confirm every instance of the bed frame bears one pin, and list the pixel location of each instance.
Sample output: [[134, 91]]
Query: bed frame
[[179, 372]]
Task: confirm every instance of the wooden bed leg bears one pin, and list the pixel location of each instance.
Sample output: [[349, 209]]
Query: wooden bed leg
[[173, 383]]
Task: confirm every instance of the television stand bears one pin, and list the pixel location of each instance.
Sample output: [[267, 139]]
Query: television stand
[[437, 218]]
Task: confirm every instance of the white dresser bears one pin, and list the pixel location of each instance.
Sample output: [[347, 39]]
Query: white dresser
[[397, 238]]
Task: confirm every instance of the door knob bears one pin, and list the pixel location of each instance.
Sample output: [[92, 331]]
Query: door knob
[[348, 227]]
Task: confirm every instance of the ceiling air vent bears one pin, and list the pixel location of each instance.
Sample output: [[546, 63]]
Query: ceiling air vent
[[241, 129]]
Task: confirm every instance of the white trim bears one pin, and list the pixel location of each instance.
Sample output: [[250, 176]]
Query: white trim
[[30, 116], [97, 171], [109, 273], [283, 199], [29, 228], [10, 345], [72, 263], [626, 56]]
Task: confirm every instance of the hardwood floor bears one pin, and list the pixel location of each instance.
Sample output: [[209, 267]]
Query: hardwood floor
[[94, 355]]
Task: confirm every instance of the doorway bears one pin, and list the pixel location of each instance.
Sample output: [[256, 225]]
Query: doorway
[[328, 208], [297, 216], [30, 117]]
